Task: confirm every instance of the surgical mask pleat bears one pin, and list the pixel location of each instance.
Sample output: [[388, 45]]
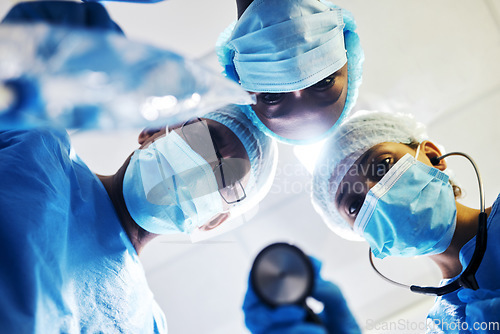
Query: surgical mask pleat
[[169, 188], [410, 212]]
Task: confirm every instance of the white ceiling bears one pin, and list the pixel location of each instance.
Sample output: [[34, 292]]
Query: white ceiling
[[436, 59]]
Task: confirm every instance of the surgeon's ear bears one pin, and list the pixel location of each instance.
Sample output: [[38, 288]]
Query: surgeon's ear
[[148, 133], [432, 151]]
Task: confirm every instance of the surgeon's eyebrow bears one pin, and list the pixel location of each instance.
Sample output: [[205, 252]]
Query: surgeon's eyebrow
[[365, 157]]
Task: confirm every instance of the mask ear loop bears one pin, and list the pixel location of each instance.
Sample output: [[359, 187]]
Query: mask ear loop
[[370, 257], [467, 278]]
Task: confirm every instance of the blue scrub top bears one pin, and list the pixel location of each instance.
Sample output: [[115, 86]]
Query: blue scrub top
[[449, 310], [67, 264]]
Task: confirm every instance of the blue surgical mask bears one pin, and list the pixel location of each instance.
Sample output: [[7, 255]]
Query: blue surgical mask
[[411, 211], [169, 188], [283, 46]]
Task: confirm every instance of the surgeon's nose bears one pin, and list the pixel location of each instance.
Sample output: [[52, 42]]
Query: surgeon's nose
[[297, 94]]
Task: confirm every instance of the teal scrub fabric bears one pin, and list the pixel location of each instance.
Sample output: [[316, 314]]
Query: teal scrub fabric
[[449, 312]]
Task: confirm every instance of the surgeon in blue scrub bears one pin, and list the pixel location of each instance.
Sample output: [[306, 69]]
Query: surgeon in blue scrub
[[303, 61], [70, 239], [381, 180]]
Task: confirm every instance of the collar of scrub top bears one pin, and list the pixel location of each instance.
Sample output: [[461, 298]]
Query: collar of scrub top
[[467, 278]]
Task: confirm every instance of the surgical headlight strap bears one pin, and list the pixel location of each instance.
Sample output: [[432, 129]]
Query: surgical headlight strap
[[467, 278]]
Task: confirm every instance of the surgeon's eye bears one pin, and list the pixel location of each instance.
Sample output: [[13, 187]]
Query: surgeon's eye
[[326, 83], [271, 98], [382, 168], [354, 207]]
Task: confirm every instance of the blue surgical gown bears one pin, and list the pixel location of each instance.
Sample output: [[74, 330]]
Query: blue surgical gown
[[66, 264], [449, 312]]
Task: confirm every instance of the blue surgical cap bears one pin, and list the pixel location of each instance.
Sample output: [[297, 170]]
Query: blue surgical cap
[[355, 58], [261, 149], [283, 46]]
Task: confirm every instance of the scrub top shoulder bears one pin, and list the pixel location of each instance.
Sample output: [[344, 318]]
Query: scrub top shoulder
[[67, 264], [448, 315]]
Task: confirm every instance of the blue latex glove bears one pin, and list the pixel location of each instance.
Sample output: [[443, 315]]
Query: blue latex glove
[[290, 319], [336, 315], [70, 14], [482, 310], [262, 319]]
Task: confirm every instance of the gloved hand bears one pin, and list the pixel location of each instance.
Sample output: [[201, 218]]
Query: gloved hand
[[336, 315], [263, 319], [482, 309], [290, 319]]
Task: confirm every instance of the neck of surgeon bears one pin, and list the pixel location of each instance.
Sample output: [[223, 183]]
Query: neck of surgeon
[[137, 235], [467, 224]]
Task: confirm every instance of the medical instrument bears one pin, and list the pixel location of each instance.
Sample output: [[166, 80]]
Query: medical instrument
[[84, 78], [282, 275], [467, 277]]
